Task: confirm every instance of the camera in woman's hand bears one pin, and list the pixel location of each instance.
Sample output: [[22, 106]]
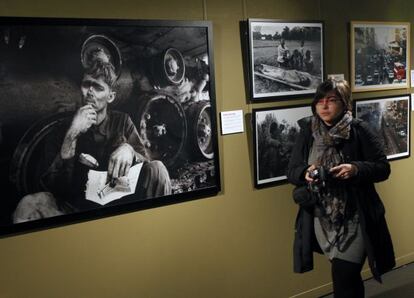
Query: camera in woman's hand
[[320, 176]]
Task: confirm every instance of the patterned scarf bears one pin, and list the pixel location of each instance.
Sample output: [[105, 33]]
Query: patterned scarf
[[332, 200], [326, 140]]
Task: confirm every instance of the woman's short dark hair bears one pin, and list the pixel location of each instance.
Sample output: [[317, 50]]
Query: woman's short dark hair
[[341, 88]]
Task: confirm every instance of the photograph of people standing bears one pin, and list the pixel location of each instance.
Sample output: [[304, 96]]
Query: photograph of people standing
[[286, 58]]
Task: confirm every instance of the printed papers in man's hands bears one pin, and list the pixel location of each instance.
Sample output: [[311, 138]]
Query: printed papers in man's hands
[[101, 192]]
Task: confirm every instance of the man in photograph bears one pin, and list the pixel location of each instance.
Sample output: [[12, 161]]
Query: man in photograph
[[308, 61], [283, 54], [272, 149], [301, 54], [95, 138]]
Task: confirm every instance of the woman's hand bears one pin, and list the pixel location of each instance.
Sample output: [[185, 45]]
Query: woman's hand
[[344, 171], [308, 171]]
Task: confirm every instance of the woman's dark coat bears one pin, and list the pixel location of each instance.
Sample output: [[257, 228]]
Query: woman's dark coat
[[363, 149]]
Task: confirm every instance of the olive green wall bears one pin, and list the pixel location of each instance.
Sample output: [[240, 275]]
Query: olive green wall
[[237, 244]]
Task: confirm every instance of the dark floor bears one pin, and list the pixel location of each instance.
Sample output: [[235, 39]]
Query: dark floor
[[399, 283]]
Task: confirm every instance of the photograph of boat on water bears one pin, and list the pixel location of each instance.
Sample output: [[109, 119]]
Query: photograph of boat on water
[[285, 57]]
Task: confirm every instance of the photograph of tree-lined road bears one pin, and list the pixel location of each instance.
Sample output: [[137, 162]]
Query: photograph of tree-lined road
[[286, 58], [390, 117]]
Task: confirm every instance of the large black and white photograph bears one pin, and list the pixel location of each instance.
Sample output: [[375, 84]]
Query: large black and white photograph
[[286, 58], [380, 55], [100, 117], [274, 134], [390, 117]]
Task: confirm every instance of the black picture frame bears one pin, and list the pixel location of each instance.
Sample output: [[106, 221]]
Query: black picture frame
[[274, 133], [390, 117], [291, 72], [165, 83]]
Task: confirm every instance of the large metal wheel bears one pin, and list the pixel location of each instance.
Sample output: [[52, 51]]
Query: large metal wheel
[[27, 163], [200, 134], [161, 123], [101, 47], [168, 68]]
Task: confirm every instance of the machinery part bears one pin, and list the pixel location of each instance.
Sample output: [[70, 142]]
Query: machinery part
[[200, 129], [26, 164], [168, 68], [101, 47], [192, 176], [162, 126]]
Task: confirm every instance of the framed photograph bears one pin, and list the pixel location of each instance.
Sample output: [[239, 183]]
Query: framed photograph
[[286, 58], [390, 117], [100, 117], [274, 134], [380, 56]]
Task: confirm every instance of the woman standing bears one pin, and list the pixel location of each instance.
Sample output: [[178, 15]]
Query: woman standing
[[334, 164]]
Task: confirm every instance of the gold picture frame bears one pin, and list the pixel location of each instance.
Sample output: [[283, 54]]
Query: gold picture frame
[[380, 55]]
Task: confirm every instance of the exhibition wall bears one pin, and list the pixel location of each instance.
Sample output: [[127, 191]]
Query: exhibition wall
[[235, 244]]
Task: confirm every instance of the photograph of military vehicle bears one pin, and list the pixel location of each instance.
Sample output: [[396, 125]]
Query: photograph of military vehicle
[[165, 83]]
